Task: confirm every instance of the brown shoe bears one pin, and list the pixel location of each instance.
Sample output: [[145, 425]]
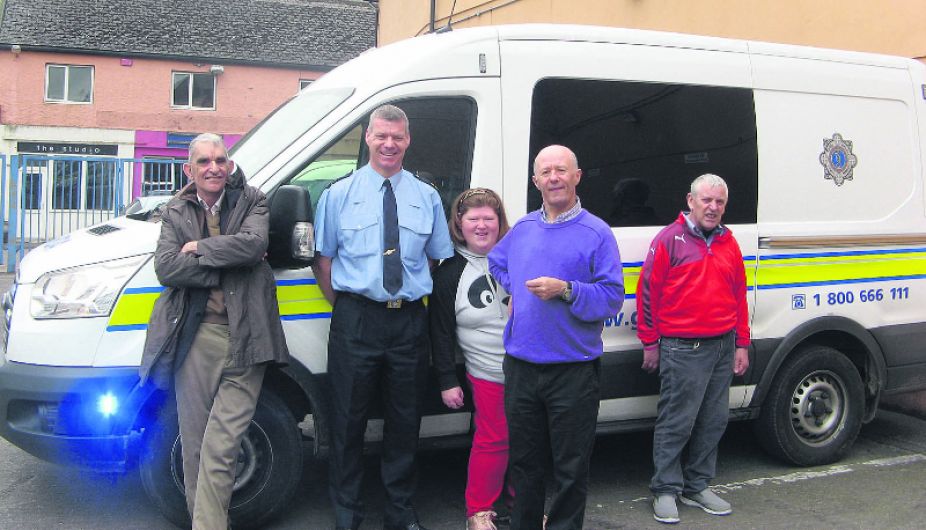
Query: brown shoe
[[481, 521]]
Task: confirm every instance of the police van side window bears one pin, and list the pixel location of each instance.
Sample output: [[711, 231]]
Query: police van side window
[[443, 131], [641, 144], [441, 152], [338, 160]]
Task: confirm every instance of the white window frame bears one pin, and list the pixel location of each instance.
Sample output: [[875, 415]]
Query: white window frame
[[189, 105], [67, 80], [171, 164]]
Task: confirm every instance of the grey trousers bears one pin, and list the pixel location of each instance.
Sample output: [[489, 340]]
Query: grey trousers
[[215, 404], [695, 377]]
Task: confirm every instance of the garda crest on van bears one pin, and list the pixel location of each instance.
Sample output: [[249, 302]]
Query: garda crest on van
[[837, 159]]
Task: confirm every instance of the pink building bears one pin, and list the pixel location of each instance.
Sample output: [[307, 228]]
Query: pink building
[[83, 81]]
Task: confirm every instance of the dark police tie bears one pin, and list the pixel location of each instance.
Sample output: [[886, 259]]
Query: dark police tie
[[392, 258]]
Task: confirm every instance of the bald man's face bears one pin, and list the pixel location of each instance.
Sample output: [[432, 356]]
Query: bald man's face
[[556, 176]]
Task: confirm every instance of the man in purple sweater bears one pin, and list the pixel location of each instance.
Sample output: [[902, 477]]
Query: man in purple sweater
[[563, 270]]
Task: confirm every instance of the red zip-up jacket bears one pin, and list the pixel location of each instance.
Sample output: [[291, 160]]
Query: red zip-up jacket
[[688, 289]]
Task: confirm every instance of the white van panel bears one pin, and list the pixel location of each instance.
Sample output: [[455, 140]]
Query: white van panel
[[306, 338], [635, 408], [581, 60], [868, 106], [34, 340], [123, 345]]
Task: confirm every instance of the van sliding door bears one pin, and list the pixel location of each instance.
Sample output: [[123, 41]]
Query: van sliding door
[[644, 122]]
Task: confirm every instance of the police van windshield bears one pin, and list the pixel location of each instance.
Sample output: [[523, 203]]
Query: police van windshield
[[284, 126]]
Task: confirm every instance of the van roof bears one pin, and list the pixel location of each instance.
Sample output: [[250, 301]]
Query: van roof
[[581, 33], [454, 51]]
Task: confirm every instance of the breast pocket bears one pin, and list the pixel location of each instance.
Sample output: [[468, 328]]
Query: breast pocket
[[359, 235], [413, 236]]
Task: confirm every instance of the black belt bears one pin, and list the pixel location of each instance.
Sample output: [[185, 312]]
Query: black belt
[[389, 304]]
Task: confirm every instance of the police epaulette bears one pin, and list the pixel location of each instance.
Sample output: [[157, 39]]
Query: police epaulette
[[338, 180], [426, 180]]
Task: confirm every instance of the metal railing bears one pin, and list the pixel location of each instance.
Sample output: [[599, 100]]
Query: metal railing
[[46, 197]]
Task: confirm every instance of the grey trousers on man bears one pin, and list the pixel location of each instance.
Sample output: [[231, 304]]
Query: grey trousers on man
[[694, 406], [215, 404]]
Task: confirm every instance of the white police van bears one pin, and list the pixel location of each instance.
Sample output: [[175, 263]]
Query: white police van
[[822, 151]]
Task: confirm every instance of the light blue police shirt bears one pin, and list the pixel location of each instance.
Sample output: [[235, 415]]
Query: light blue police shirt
[[349, 230]]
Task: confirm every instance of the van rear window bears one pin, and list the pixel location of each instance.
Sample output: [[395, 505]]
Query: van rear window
[[640, 145]]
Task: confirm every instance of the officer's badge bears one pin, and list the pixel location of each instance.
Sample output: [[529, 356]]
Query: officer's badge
[[837, 159]]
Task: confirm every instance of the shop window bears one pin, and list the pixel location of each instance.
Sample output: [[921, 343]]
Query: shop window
[[75, 184], [162, 176], [193, 91], [32, 184], [68, 83], [66, 185], [101, 176]]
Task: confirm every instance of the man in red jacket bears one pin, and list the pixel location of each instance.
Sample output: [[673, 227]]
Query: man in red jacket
[[693, 321]]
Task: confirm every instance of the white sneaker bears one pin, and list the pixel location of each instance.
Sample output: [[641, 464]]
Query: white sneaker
[[708, 501], [481, 521], [664, 508]]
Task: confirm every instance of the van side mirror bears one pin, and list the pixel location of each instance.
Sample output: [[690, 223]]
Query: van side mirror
[[292, 236]]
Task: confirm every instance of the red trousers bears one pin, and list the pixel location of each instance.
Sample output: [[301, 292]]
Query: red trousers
[[488, 458]]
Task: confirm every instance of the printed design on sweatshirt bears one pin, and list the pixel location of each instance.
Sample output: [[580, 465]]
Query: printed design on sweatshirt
[[481, 295]]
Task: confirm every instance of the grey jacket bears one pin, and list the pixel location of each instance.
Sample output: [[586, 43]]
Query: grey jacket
[[235, 261]]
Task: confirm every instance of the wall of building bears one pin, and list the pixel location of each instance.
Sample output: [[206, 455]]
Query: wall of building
[[132, 93], [890, 26], [130, 115]]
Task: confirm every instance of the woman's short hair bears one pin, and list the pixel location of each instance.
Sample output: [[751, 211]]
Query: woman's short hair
[[475, 198]]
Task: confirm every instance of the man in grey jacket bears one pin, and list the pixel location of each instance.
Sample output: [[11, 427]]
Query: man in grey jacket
[[216, 326]]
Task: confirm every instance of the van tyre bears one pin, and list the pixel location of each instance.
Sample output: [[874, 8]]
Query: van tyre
[[813, 411], [267, 476]]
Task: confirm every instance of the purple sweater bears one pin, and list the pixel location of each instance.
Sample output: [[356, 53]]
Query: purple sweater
[[581, 250]]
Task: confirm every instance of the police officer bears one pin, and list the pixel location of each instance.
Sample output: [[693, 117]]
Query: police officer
[[378, 231]]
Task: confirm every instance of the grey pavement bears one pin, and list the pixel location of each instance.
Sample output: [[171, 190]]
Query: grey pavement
[[879, 485]]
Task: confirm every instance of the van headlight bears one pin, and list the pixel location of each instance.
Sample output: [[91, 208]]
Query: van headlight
[[87, 291]]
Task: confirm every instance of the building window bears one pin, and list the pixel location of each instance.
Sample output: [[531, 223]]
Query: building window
[[68, 84], [162, 176], [66, 184], [303, 83], [32, 184], [76, 184], [101, 176], [193, 91]]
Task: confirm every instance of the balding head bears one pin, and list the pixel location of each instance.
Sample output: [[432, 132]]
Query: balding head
[[556, 175]]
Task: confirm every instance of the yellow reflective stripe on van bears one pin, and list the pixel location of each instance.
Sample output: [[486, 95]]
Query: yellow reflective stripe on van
[[133, 309], [631, 279], [780, 271], [632, 276], [298, 300], [301, 300]]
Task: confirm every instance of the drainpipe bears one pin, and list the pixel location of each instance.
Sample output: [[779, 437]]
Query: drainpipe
[[433, 14], [375, 4]]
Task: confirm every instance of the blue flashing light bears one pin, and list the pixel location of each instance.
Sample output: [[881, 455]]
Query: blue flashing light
[[107, 405]]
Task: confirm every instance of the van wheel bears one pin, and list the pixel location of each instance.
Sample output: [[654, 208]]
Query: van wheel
[[267, 474], [813, 411]]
